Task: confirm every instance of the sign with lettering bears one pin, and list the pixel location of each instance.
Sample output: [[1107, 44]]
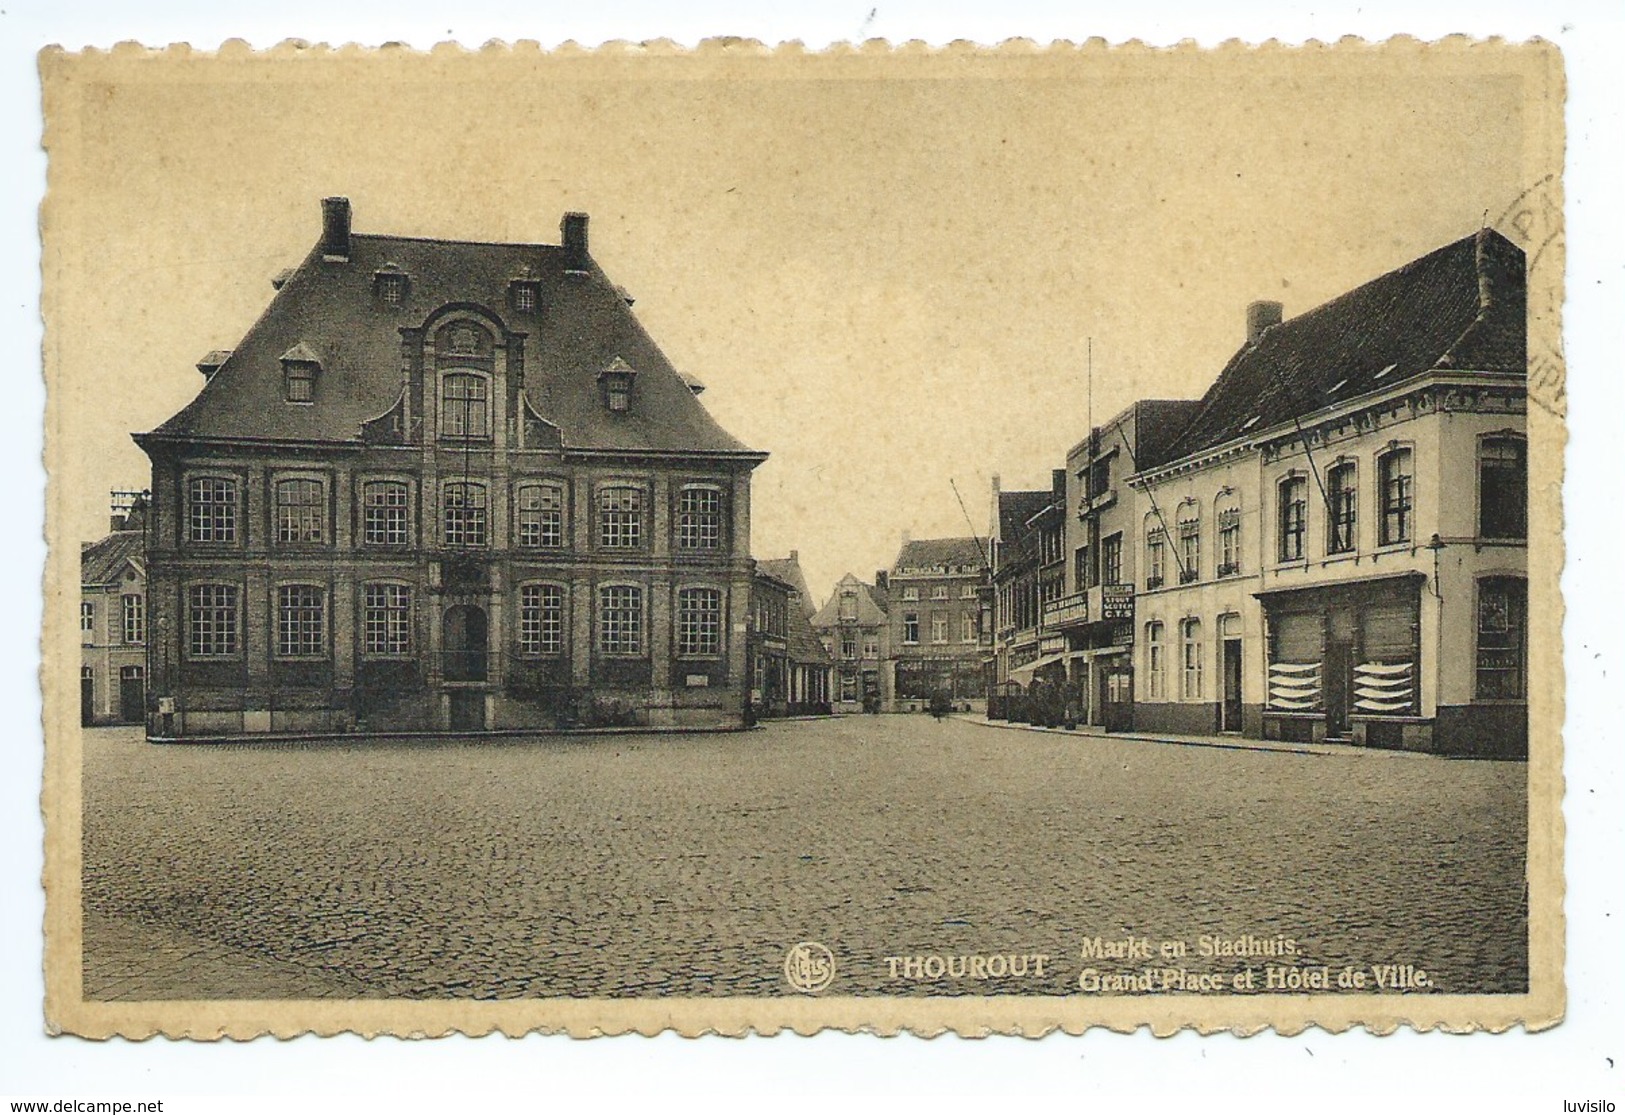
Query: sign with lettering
[[1116, 601]]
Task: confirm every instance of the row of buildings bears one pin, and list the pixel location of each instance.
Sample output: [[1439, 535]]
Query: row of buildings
[[1330, 544], [920, 629], [443, 485]]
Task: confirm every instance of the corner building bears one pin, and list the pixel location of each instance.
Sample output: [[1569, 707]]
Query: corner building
[[444, 485], [1336, 546]]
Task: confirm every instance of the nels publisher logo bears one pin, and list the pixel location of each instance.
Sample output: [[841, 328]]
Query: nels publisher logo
[[809, 967]]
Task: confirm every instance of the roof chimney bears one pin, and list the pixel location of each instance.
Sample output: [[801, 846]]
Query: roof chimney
[[573, 235], [795, 555], [882, 580], [336, 229], [1260, 316]]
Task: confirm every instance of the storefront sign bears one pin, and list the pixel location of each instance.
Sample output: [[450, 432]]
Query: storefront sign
[[1116, 601], [1052, 644]]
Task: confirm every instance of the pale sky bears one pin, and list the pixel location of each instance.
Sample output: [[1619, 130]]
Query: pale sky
[[883, 283]]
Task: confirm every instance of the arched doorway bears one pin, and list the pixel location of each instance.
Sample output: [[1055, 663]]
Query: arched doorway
[[463, 643]]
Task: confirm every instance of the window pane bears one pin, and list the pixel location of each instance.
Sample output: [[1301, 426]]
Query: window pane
[[385, 513], [1396, 497], [1344, 494], [301, 620], [1502, 489], [387, 619], [1501, 623], [620, 620], [300, 511], [541, 516], [620, 518], [213, 510], [541, 619], [464, 408], [135, 618], [699, 519], [699, 621], [465, 518], [212, 620]]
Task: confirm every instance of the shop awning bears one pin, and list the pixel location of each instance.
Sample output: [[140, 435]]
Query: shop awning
[[1024, 674]]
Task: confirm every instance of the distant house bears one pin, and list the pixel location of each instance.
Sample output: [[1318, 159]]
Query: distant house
[[935, 592], [446, 485], [1026, 545], [855, 630], [808, 666], [113, 619]]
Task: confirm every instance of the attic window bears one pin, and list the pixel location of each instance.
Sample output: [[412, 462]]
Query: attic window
[[525, 295], [617, 385], [301, 383], [390, 284], [300, 367]]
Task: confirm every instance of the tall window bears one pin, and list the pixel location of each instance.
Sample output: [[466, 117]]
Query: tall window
[[1190, 542], [1292, 511], [300, 511], [384, 513], [541, 619], [1156, 665], [211, 620], [301, 622], [1501, 624], [464, 514], [939, 627], [1343, 490], [911, 627], [699, 518], [849, 604], [849, 646], [135, 618], [1080, 567], [212, 509], [1503, 488], [620, 518], [699, 621], [87, 618], [1111, 559], [1156, 558], [620, 620], [871, 646], [464, 406], [1394, 477], [386, 619], [1229, 541], [1190, 649], [967, 628], [541, 516]]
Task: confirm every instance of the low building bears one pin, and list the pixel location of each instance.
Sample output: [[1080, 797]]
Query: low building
[[934, 595], [113, 619], [808, 666], [1343, 522], [854, 628]]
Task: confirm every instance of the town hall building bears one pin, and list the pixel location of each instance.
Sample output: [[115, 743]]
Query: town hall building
[[445, 485]]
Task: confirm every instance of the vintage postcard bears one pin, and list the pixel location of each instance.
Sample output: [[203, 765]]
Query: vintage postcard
[[978, 540]]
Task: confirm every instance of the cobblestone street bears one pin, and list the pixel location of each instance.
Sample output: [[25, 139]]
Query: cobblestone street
[[688, 865]]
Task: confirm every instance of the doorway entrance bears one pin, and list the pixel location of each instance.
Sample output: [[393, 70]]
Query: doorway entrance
[[132, 694], [467, 710], [1117, 698], [1230, 711], [87, 695], [463, 636]]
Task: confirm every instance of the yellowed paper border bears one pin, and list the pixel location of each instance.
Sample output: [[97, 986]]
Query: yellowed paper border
[[70, 79]]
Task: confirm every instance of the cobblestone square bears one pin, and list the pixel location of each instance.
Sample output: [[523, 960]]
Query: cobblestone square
[[689, 864]]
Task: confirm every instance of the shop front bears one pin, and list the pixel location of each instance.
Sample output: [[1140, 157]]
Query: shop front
[[1345, 664]]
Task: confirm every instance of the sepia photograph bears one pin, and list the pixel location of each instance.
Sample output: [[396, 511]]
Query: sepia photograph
[[986, 541]]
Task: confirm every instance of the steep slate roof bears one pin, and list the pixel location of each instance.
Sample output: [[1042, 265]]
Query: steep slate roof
[[789, 571], [802, 642], [1016, 508], [1461, 307], [927, 553], [102, 562], [330, 309], [871, 605]]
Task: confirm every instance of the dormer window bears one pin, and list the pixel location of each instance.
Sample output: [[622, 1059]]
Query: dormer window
[[300, 367], [390, 284], [616, 381], [524, 294]]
